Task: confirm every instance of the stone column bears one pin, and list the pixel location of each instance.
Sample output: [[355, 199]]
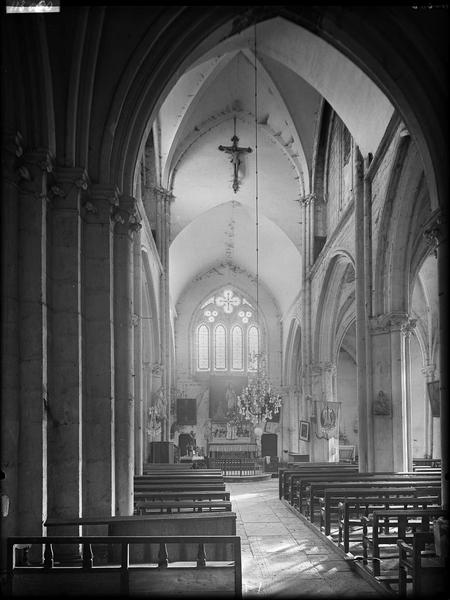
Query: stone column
[[65, 351], [126, 223], [9, 405], [406, 329], [361, 316], [139, 377], [389, 402], [98, 364], [163, 200], [33, 345], [437, 237], [429, 375], [368, 303], [307, 220], [442, 254]]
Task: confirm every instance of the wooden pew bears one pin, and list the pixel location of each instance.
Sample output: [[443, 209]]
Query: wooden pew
[[307, 467], [377, 529], [182, 472], [164, 577], [290, 477], [300, 481], [317, 490], [181, 485], [337, 474], [427, 462], [310, 491], [170, 506], [436, 470], [350, 510], [183, 523], [163, 495], [418, 560], [285, 475], [331, 499], [167, 466], [188, 479]]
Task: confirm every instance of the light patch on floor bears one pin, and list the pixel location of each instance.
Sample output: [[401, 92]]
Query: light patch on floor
[[281, 556]]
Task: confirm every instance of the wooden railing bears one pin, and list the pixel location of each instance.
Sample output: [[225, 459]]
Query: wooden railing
[[237, 466], [160, 578]]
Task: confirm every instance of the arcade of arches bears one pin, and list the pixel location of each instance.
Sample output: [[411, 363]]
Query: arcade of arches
[[130, 292]]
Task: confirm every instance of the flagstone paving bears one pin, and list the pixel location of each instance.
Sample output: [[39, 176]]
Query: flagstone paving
[[281, 556]]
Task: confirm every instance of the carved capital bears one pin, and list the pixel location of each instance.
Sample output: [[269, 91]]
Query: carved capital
[[408, 327], [330, 367], [69, 183], [156, 369], [46, 163], [12, 152], [14, 144], [100, 203], [118, 215], [388, 322], [55, 193], [306, 200], [90, 207], [162, 194], [128, 214], [428, 371], [33, 171], [134, 223], [433, 237]]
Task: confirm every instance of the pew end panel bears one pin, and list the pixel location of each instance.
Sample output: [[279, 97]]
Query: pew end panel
[[197, 576], [419, 563]]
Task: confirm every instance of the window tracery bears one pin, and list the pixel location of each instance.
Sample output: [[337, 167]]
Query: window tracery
[[226, 334]]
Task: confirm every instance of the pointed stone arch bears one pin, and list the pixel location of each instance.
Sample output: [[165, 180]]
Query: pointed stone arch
[[293, 356], [400, 230], [340, 268]]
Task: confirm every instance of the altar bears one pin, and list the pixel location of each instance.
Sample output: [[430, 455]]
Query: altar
[[238, 448]]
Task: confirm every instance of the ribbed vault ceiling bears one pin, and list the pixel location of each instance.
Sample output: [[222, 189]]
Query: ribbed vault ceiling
[[211, 224]]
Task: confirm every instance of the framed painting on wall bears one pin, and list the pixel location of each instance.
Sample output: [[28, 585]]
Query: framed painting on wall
[[304, 431]]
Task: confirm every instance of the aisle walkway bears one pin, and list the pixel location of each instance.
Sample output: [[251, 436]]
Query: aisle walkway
[[283, 557]]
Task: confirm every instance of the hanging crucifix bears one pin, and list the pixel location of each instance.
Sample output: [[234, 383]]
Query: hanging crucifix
[[235, 151]]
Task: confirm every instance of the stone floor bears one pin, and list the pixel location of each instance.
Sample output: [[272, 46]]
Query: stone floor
[[282, 556]]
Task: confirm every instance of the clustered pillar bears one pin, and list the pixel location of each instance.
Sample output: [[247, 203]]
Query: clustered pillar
[[35, 404], [99, 478], [163, 201], [126, 224], [65, 350]]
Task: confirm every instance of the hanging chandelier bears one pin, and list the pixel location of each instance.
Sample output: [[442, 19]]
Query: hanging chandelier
[[258, 402]]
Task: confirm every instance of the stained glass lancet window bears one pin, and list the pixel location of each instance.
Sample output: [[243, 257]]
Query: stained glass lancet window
[[220, 348], [203, 348], [237, 362], [226, 334]]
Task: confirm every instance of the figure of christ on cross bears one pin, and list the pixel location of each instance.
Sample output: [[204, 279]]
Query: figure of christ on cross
[[235, 151]]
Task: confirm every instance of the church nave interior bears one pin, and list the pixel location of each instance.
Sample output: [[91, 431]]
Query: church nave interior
[[224, 252]]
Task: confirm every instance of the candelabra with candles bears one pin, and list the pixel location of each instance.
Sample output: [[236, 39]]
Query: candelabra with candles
[[258, 402]]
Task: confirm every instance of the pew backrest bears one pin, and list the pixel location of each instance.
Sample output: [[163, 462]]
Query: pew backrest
[[158, 494]]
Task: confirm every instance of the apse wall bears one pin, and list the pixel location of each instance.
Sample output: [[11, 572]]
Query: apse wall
[[195, 385]]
